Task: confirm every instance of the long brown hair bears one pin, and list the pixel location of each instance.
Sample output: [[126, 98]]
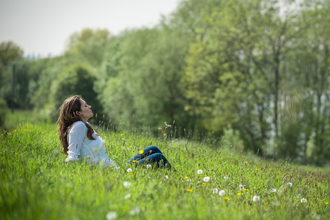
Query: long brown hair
[[67, 117]]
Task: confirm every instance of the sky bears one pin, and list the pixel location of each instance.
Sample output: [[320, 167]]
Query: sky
[[42, 27]]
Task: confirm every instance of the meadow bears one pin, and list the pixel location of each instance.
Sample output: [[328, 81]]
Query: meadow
[[211, 180]]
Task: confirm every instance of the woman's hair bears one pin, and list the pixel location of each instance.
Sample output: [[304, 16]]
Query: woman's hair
[[67, 117]]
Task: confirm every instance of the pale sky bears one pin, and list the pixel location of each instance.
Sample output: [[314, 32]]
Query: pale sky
[[43, 26]]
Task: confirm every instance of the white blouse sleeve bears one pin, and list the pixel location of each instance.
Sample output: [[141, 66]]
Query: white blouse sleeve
[[75, 140]]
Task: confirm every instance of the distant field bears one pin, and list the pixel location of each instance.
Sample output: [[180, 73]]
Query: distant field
[[36, 183]]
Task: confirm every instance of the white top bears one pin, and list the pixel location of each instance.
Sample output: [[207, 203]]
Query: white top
[[80, 147]]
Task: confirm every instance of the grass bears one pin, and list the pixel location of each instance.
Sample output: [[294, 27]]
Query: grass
[[36, 183]]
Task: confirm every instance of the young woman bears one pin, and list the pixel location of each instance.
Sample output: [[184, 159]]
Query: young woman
[[80, 142]]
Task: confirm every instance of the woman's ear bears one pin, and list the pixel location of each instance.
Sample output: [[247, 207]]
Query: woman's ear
[[77, 113]]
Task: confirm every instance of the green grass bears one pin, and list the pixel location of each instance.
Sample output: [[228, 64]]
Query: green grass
[[36, 183]]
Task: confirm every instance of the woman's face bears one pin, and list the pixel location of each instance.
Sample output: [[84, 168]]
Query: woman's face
[[86, 111]]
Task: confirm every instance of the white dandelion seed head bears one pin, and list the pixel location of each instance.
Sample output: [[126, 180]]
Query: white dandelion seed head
[[256, 198], [289, 184], [225, 177], [148, 166], [127, 196], [215, 190], [241, 187], [127, 184], [303, 200], [222, 193], [188, 180], [166, 177], [199, 171], [299, 196], [129, 170], [134, 211], [112, 215], [206, 179], [272, 190]]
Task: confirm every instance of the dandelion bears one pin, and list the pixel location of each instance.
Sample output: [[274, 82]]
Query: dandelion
[[148, 166], [222, 193], [16, 153], [134, 211], [121, 134], [226, 198], [127, 196], [303, 200], [189, 190], [199, 171], [141, 151], [19, 124], [241, 187], [225, 177], [246, 190], [216, 207], [188, 180], [127, 184], [316, 199], [166, 177], [272, 190], [206, 179], [215, 190], [112, 215], [257, 169], [15, 130], [246, 162], [186, 177], [129, 170], [256, 198], [327, 203], [130, 146], [135, 161], [239, 194], [289, 184]]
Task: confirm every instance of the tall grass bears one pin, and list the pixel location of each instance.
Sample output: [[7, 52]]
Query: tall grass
[[36, 183]]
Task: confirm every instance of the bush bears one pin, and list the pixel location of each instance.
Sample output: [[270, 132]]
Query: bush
[[3, 111]]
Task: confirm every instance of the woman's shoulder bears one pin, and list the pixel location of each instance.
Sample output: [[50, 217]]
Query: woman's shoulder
[[79, 125]]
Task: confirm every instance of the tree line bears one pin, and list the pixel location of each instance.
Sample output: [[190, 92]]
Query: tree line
[[257, 67]]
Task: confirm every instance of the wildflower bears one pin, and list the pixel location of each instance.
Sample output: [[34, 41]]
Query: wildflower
[[189, 190], [257, 169], [246, 190], [241, 187], [166, 177], [19, 124], [188, 180], [135, 161], [299, 196], [141, 151], [148, 166], [127, 184], [222, 193], [215, 190], [186, 177], [112, 215], [239, 194], [225, 177], [246, 162], [327, 203], [129, 170], [226, 198], [16, 153], [272, 190], [121, 134], [303, 200], [316, 199], [127, 196], [206, 179], [199, 171], [216, 207], [134, 211], [15, 130], [130, 146], [256, 198], [289, 184]]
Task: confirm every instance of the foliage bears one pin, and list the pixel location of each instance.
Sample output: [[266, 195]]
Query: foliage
[[36, 183], [3, 112]]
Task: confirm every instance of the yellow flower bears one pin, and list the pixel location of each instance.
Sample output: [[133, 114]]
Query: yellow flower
[[15, 130], [327, 203], [19, 124], [189, 190], [257, 169], [130, 146], [216, 207], [297, 204], [135, 161], [226, 198], [186, 177], [239, 194], [245, 190], [316, 198], [246, 162], [121, 134], [16, 153], [141, 151]]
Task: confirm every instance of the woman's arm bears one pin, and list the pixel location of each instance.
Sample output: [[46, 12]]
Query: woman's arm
[[75, 140]]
